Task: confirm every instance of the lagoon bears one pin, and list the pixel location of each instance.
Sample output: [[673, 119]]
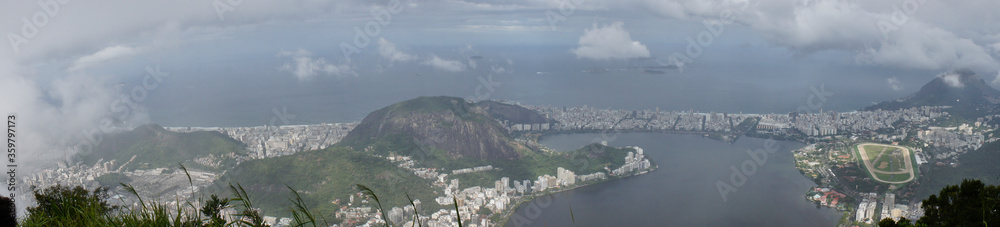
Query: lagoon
[[683, 191]]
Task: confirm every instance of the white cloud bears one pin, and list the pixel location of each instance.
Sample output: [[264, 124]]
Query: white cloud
[[609, 42], [101, 56], [388, 51], [952, 79], [894, 84], [935, 35], [56, 117], [305, 67], [45, 81], [446, 65], [929, 48], [806, 26]]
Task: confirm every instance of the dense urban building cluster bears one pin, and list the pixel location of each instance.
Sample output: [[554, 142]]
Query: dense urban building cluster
[[869, 205], [633, 162], [918, 129], [831, 123], [808, 124], [959, 139], [472, 200], [588, 118]]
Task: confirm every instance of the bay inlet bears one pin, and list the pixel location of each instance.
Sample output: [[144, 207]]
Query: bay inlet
[[684, 190]]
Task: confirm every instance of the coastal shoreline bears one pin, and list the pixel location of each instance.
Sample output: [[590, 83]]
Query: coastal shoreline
[[504, 217]]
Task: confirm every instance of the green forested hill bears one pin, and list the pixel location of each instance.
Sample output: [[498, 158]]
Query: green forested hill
[[156, 147], [437, 132], [450, 133], [980, 164], [322, 177]]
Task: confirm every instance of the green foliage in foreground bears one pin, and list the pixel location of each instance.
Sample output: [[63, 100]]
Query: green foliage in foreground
[[970, 204], [64, 206]]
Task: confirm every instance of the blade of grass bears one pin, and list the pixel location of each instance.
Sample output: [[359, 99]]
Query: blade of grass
[[191, 182], [457, 213], [131, 189], [416, 217], [300, 209], [369, 193], [186, 173], [248, 209]]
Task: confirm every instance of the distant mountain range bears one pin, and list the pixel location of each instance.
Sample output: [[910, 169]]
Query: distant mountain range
[[967, 93]]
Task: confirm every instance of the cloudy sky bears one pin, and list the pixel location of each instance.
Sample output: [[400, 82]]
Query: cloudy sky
[[71, 68]]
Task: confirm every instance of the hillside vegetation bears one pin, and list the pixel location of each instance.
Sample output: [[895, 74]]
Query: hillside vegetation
[[155, 147], [323, 177]]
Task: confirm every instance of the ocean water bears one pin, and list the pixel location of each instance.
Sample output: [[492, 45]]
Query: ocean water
[[248, 91]]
